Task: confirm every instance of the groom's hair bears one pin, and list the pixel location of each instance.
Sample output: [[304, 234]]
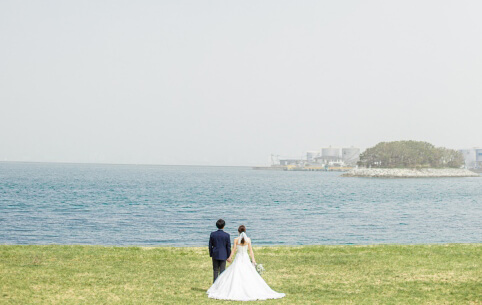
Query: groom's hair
[[220, 224]]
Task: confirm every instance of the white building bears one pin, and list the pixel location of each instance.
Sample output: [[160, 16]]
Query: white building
[[350, 155], [330, 154], [296, 162], [473, 157], [312, 155]]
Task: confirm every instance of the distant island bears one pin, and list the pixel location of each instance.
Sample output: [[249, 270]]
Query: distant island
[[407, 159]]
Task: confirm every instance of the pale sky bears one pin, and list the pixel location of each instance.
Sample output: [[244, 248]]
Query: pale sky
[[230, 82]]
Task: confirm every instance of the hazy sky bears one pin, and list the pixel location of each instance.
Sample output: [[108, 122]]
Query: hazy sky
[[230, 82]]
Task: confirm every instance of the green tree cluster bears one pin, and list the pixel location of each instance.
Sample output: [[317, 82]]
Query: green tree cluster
[[410, 154]]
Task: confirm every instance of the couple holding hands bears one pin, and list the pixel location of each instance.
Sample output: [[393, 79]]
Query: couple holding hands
[[241, 281]]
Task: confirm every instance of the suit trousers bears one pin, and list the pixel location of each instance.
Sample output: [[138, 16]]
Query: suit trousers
[[218, 268]]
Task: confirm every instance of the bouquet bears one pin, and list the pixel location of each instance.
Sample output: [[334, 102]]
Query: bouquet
[[260, 268]]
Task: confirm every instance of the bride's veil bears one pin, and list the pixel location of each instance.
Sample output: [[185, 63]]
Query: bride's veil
[[243, 234]]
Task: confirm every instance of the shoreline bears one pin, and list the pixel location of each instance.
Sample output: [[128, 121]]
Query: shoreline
[[410, 173]]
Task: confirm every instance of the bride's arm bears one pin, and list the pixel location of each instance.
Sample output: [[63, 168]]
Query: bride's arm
[[251, 252], [230, 258]]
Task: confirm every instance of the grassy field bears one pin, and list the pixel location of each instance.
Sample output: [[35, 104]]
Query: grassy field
[[381, 274]]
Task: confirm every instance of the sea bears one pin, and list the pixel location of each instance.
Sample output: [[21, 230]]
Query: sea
[[153, 205]]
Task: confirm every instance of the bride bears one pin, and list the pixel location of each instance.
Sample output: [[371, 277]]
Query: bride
[[241, 281]]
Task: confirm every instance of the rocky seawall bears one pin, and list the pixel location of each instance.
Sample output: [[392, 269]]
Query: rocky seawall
[[409, 173]]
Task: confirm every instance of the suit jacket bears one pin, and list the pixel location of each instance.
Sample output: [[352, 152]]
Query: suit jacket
[[220, 245]]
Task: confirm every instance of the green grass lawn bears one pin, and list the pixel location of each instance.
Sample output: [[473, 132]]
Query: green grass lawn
[[380, 274]]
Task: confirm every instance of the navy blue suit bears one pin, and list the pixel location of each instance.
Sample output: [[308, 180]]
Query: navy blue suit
[[219, 250]]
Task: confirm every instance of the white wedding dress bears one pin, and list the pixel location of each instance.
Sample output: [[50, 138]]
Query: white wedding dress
[[241, 281]]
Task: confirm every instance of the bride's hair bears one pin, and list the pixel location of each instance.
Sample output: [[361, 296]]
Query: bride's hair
[[241, 229]]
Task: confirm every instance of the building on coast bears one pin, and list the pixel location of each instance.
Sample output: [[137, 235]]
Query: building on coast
[[296, 162], [472, 157], [325, 159], [350, 155], [312, 155], [347, 156]]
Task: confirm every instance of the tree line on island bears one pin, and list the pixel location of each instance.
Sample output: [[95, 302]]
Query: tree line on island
[[410, 154]]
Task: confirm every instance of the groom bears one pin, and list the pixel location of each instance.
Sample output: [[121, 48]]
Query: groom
[[219, 248]]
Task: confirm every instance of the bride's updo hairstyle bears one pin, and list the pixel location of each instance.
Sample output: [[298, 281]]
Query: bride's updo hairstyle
[[242, 229]]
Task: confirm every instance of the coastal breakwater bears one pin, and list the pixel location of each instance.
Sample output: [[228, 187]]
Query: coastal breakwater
[[410, 173]]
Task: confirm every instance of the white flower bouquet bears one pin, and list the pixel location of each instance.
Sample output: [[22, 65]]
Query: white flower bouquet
[[259, 268]]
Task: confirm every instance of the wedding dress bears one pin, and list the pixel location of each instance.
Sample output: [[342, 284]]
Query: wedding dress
[[241, 281]]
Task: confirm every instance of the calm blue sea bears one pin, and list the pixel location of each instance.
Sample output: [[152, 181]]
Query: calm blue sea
[[44, 203]]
